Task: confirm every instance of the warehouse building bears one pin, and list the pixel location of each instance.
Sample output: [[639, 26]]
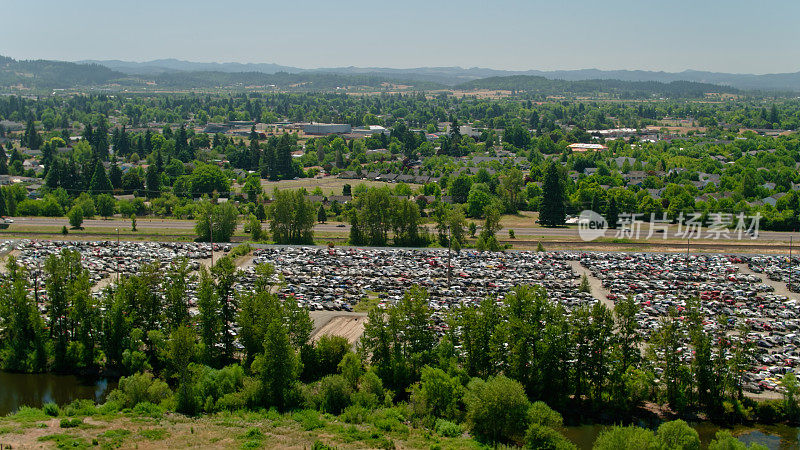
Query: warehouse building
[[327, 128]]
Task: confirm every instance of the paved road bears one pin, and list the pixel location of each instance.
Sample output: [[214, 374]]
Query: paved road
[[185, 226]]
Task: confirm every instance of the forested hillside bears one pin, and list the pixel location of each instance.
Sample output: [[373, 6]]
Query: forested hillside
[[53, 74], [617, 88]]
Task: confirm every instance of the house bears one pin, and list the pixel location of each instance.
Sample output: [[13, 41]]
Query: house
[[622, 159], [635, 177], [590, 170], [769, 185]]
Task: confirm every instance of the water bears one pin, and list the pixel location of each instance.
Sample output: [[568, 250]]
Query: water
[[21, 389], [778, 437]]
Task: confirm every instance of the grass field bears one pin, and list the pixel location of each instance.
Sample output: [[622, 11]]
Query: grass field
[[151, 427], [329, 185]]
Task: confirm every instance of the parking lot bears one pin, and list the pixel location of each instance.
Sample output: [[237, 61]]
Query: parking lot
[[753, 291]]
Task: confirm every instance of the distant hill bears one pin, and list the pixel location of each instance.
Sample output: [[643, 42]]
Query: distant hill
[[160, 66], [176, 74], [456, 75], [621, 89], [53, 74], [307, 81]]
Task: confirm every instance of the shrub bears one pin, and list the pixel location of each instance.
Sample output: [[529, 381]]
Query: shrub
[[497, 409], [335, 394], [83, 407], [70, 423], [370, 391], [28, 414], [51, 409], [542, 437], [241, 250], [541, 414], [624, 438], [437, 395], [147, 409], [769, 411], [726, 441], [309, 419], [678, 434], [355, 414], [447, 429], [138, 388]]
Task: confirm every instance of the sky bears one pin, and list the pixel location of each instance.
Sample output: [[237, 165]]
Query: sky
[[718, 35]]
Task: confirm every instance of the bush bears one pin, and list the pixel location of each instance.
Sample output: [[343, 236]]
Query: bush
[[308, 419], [51, 409], [355, 414], [335, 394], [624, 438], [437, 395], [139, 388], [678, 434], [240, 250], [726, 441], [82, 407], [770, 411], [541, 414], [497, 409], [147, 409], [446, 428], [70, 423], [370, 391], [542, 437]]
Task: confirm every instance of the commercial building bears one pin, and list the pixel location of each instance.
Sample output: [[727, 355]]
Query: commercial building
[[327, 128]]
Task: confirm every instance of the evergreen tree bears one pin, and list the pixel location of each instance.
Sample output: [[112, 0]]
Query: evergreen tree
[[3, 162], [612, 213], [30, 137], [115, 175], [322, 217], [552, 213], [100, 141], [153, 180], [100, 183]]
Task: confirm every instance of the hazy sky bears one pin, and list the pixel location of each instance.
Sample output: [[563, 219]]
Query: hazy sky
[[720, 35]]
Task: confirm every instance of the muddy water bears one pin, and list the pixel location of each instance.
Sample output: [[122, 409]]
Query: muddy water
[[19, 389], [778, 437]]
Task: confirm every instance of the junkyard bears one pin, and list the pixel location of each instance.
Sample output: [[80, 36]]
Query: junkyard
[[733, 290]]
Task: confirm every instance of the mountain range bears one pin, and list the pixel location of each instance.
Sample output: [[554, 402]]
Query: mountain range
[[452, 76]]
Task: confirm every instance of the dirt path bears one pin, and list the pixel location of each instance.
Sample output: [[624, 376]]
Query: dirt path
[[337, 323], [598, 291], [779, 286]]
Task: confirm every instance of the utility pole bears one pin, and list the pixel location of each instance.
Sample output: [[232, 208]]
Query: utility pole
[[791, 264], [118, 274], [449, 246], [687, 255]]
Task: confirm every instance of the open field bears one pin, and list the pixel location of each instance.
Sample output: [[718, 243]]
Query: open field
[[241, 429], [329, 185]]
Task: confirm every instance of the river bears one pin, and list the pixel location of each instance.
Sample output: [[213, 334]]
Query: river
[[776, 437], [20, 389], [25, 389]]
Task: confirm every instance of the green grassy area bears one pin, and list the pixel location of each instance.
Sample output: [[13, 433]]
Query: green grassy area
[[130, 428]]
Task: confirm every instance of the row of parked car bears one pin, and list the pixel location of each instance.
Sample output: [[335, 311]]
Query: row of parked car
[[729, 299]]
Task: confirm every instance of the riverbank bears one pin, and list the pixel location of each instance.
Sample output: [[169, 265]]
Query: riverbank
[[151, 427], [83, 426]]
